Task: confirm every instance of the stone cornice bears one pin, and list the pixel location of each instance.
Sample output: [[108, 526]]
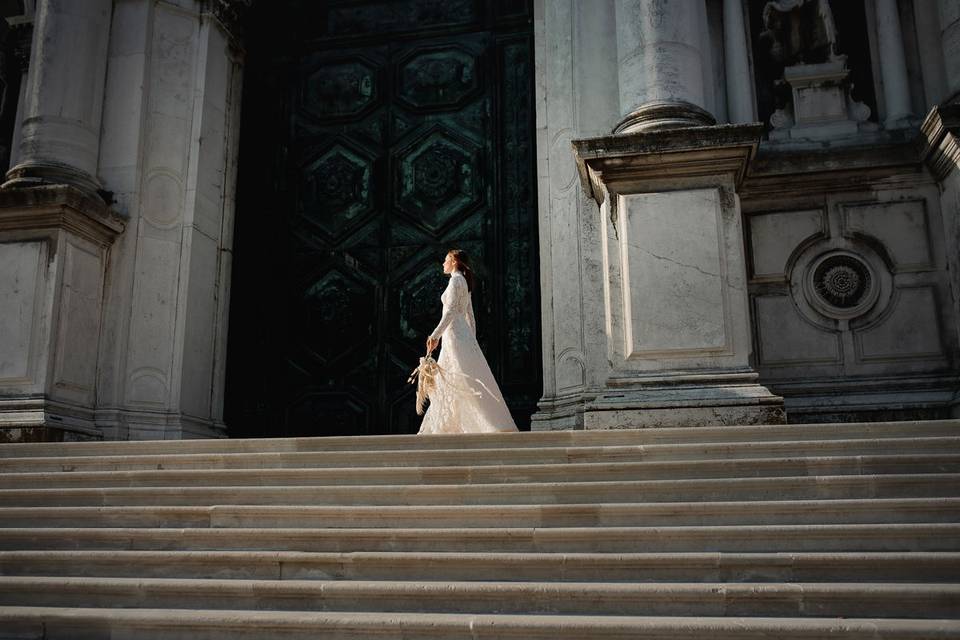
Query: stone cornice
[[777, 173], [229, 13], [939, 146], [672, 153], [59, 207]]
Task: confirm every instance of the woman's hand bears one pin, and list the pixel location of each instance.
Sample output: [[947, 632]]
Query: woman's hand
[[432, 344]]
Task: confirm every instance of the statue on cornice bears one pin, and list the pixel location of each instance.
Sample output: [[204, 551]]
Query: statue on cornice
[[800, 31]]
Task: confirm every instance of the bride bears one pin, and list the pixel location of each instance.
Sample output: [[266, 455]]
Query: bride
[[467, 398]]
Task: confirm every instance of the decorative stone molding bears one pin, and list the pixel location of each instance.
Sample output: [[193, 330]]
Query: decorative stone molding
[[230, 14], [689, 152], [59, 207], [665, 114]]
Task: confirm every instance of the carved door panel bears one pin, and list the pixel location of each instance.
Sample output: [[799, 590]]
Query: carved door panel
[[390, 152]]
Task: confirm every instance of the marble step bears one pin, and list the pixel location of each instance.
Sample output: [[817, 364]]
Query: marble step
[[872, 511], [697, 490], [865, 566], [816, 599], [490, 474], [768, 433], [50, 623], [476, 457], [749, 538]]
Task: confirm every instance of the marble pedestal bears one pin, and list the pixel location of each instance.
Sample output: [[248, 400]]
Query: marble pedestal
[[53, 251], [677, 335], [821, 108]]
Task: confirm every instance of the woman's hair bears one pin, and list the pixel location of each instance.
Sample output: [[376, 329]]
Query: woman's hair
[[463, 265]]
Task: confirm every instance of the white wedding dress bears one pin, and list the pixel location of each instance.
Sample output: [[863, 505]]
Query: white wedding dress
[[467, 398]]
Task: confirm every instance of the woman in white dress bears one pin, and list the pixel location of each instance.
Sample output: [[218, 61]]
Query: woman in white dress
[[466, 398]]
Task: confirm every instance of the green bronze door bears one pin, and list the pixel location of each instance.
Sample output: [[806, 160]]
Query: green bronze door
[[375, 136]]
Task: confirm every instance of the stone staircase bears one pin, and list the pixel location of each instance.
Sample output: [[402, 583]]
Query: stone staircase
[[799, 531]]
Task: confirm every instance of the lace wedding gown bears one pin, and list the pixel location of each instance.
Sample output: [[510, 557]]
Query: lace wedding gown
[[467, 399]]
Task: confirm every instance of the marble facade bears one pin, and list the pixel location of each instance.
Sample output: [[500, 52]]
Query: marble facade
[[151, 157], [848, 213], [701, 261]]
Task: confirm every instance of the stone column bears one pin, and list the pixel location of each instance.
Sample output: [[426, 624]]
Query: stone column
[[893, 66], [739, 79], [660, 64], [950, 41], [56, 231], [22, 36], [60, 128]]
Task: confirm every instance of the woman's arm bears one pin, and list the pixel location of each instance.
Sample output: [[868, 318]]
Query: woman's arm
[[457, 287]]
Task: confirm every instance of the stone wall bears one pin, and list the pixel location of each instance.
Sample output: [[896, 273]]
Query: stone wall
[[851, 304]]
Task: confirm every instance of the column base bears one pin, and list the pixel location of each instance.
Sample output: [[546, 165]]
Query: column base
[[45, 420], [33, 174], [126, 424], [665, 114], [693, 400]]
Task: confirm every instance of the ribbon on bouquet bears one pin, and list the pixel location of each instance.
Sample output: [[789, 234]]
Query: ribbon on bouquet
[[429, 372]]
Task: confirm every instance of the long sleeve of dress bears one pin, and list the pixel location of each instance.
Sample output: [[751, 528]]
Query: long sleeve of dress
[[457, 294]]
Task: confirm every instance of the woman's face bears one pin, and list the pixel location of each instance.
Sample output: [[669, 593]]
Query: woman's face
[[449, 264]]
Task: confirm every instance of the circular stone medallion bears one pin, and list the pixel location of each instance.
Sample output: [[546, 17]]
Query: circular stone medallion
[[841, 285]]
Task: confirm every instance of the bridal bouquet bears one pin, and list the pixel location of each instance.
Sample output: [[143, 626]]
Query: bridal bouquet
[[426, 375]]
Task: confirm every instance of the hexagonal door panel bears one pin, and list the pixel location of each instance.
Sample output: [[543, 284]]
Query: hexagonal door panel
[[336, 189], [335, 312], [439, 78], [438, 177], [339, 90]]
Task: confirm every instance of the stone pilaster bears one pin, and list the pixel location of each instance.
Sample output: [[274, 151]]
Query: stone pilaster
[[661, 64], [59, 138], [169, 156], [940, 134]]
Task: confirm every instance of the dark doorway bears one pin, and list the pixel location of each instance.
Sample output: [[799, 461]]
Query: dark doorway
[[375, 136]]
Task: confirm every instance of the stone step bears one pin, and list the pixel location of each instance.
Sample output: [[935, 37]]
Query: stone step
[[490, 474], [915, 566], [740, 538], [869, 430], [848, 600], [699, 490], [475, 457], [51, 623], [874, 511]]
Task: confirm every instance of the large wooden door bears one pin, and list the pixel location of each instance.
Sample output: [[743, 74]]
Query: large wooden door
[[377, 135]]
